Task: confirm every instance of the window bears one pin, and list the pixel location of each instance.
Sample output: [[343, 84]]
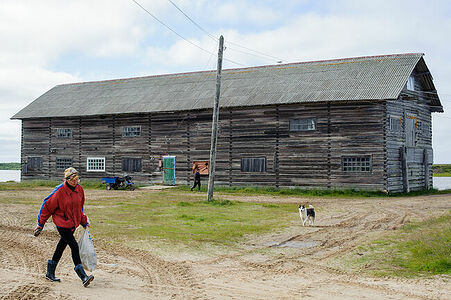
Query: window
[[131, 131], [395, 124], [426, 130], [95, 164], [34, 163], [419, 127], [130, 164], [63, 163], [64, 132], [411, 83], [302, 124], [356, 163], [253, 164]]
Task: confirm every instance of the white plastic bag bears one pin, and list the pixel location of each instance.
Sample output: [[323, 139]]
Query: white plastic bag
[[87, 252]]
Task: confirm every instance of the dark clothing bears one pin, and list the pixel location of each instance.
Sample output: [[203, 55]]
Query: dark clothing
[[196, 181], [67, 238], [72, 188]]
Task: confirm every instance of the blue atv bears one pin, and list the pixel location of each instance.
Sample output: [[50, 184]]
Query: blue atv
[[118, 182]]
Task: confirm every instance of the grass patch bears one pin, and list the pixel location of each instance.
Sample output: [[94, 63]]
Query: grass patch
[[446, 174], [420, 248], [173, 220], [30, 184], [273, 191]]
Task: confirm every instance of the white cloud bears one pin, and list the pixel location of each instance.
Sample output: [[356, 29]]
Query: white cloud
[[31, 81], [40, 31], [244, 12], [185, 55]]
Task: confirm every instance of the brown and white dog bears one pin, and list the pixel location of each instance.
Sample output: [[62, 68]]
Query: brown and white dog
[[307, 214]]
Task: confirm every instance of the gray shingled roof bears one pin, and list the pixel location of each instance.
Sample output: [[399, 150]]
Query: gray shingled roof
[[353, 79]]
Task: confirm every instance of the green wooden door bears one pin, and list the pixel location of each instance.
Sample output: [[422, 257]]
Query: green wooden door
[[169, 170]]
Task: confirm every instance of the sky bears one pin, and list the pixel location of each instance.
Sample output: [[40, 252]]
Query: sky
[[50, 42]]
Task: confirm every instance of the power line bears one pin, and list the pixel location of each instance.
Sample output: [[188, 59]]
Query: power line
[[197, 25], [266, 56], [176, 33]]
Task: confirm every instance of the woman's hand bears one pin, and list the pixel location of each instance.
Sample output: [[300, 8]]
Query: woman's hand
[[37, 230]]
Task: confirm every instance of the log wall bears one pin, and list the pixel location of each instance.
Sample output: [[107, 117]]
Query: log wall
[[307, 159], [418, 166]]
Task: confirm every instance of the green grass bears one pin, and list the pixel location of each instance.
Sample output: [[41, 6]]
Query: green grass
[[29, 184], [173, 219], [165, 220], [420, 248], [9, 166], [310, 192], [443, 175]]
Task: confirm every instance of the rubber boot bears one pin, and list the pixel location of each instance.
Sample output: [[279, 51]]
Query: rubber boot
[[84, 278], [50, 275]]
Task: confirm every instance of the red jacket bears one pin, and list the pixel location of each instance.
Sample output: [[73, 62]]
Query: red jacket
[[65, 206]]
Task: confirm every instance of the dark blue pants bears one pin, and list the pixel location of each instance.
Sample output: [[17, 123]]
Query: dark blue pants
[[196, 183]]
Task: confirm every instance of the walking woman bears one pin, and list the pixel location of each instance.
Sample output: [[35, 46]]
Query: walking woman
[[65, 205]]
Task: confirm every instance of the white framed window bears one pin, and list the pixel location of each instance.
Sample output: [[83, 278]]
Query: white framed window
[[302, 124], [64, 133], [356, 164], [95, 164], [131, 131]]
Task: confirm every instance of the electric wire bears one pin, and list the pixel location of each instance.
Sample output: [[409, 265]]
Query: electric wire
[[195, 23], [179, 35], [265, 56], [180, 120]]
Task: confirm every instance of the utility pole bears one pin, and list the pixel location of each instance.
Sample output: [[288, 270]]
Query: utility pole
[[214, 125]]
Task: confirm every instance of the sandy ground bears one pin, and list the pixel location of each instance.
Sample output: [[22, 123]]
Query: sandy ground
[[297, 263]]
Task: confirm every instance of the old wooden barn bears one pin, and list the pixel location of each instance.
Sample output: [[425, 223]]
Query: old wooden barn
[[360, 123]]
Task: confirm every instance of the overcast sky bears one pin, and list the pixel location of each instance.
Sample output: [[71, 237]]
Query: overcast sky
[[49, 42]]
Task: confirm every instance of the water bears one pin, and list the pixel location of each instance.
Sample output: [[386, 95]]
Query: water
[[442, 183], [7, 175]]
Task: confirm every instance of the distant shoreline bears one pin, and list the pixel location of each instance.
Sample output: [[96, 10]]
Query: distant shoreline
[[441, 170], [10, 166]]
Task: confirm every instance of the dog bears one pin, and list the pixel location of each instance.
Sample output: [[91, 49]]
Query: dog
[[307, 214]]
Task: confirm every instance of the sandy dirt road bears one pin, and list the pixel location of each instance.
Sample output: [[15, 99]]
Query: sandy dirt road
[[296, 263]]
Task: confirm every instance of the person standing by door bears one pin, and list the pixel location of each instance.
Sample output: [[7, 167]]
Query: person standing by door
[[196, 179]]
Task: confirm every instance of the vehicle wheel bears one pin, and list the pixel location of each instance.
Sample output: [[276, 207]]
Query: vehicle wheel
[[115, 186], [132, 188], [108, 186]]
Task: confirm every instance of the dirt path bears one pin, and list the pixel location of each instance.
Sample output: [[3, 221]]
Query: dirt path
[[291, 264]]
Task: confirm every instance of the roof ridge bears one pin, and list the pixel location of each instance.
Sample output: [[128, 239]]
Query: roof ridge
[[245, 68]]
